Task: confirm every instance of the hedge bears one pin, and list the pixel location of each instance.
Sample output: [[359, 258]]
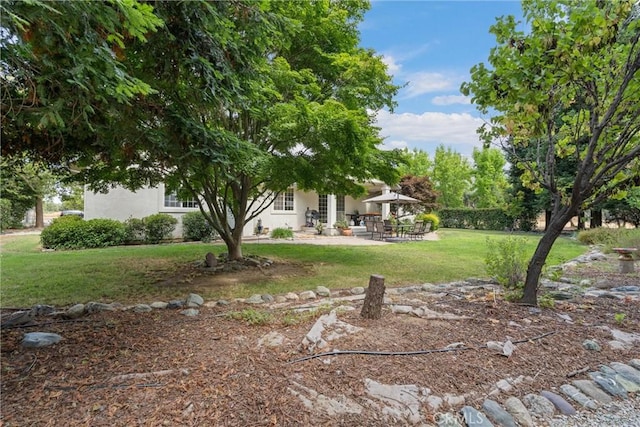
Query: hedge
[[479, 219]]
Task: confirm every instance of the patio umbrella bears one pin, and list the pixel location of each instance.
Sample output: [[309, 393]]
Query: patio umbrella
[[391, 197]]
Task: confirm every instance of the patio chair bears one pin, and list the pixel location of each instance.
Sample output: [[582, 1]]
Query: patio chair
[[421, 231], [370, 227], [381, 230], [413, 232]]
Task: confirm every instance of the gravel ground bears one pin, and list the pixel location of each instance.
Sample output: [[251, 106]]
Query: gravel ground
[[620, 413]]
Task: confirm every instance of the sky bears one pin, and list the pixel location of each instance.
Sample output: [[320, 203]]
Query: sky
[[430, 46]]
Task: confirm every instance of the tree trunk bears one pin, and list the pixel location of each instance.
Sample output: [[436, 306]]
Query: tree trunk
[[581, 222], [234, 248], [596, 218], [547, 219], [372, 307], [552, 232], [39, 213]]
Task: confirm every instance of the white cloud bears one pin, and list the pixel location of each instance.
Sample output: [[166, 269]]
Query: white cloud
[[430, 129], [392, 66], [451, 99], [425, 82]]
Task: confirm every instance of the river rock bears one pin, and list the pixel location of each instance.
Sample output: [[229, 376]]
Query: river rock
[[539, 406], [323, 291], [559, 402], [194, 301], [40, 339], [498, 414], [75, 311], [608, 384], [254, 299], [592, 390], [628, 372], [519, 412], [475, 418], [576, 395]]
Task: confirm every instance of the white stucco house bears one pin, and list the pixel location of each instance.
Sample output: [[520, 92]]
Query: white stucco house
[[288, 210]]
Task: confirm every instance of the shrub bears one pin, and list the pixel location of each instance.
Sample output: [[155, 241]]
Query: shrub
[[282, 233], [506, 261], [72, 232], [430, 217], [159, 227], [479, 219], [196, 227], [6, 215], [599, 236], [103, 232], [134, 230]]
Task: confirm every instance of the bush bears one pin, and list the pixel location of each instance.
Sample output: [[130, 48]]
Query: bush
[[72, 232], [611, 238], [6, 217], [282, 233], [506, 261], [135, 230], [159, 227], [432, 218], [196, 227], [479, 219]]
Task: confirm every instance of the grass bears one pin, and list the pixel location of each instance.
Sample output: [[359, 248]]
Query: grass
[[131, 273]]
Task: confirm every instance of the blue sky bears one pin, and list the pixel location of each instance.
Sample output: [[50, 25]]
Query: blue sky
[[430, 46]]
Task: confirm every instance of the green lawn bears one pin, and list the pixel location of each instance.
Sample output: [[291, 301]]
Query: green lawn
[[131, 273]]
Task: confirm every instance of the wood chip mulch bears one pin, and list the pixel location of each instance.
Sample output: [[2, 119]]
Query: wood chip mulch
[[162, 368]]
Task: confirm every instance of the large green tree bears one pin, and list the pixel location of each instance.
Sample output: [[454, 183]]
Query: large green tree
[[249, 99], [569, 87]]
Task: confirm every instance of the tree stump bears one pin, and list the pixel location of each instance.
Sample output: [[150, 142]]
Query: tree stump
[[372, 307]]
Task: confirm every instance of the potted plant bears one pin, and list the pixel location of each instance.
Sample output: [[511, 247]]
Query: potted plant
[[343, 226], [320, 228]]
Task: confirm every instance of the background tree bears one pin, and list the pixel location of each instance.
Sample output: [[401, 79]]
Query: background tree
[[490, 184], [421, 188], [451, 177], [24, 186], [569, 88], [417, 162]]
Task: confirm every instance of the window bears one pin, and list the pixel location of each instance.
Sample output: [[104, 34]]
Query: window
[[340, 207], [322, 208], [284, 201], [171, 201]]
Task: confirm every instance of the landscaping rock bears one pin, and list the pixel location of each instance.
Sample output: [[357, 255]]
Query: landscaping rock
[[323, 291], [497, 413], [539, 406], [75, 311], [573, 393], [159, 305], [305, 295], [255, 299], [194, 301], [142, 308], [519, 412], [475, 418], [592, 390], [40, 339], [608, 384], [190, 312], [94, 307], [591, 345], [559, 402], [628, 372]]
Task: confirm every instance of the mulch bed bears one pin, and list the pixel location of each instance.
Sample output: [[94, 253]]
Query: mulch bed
[[162, 368]]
